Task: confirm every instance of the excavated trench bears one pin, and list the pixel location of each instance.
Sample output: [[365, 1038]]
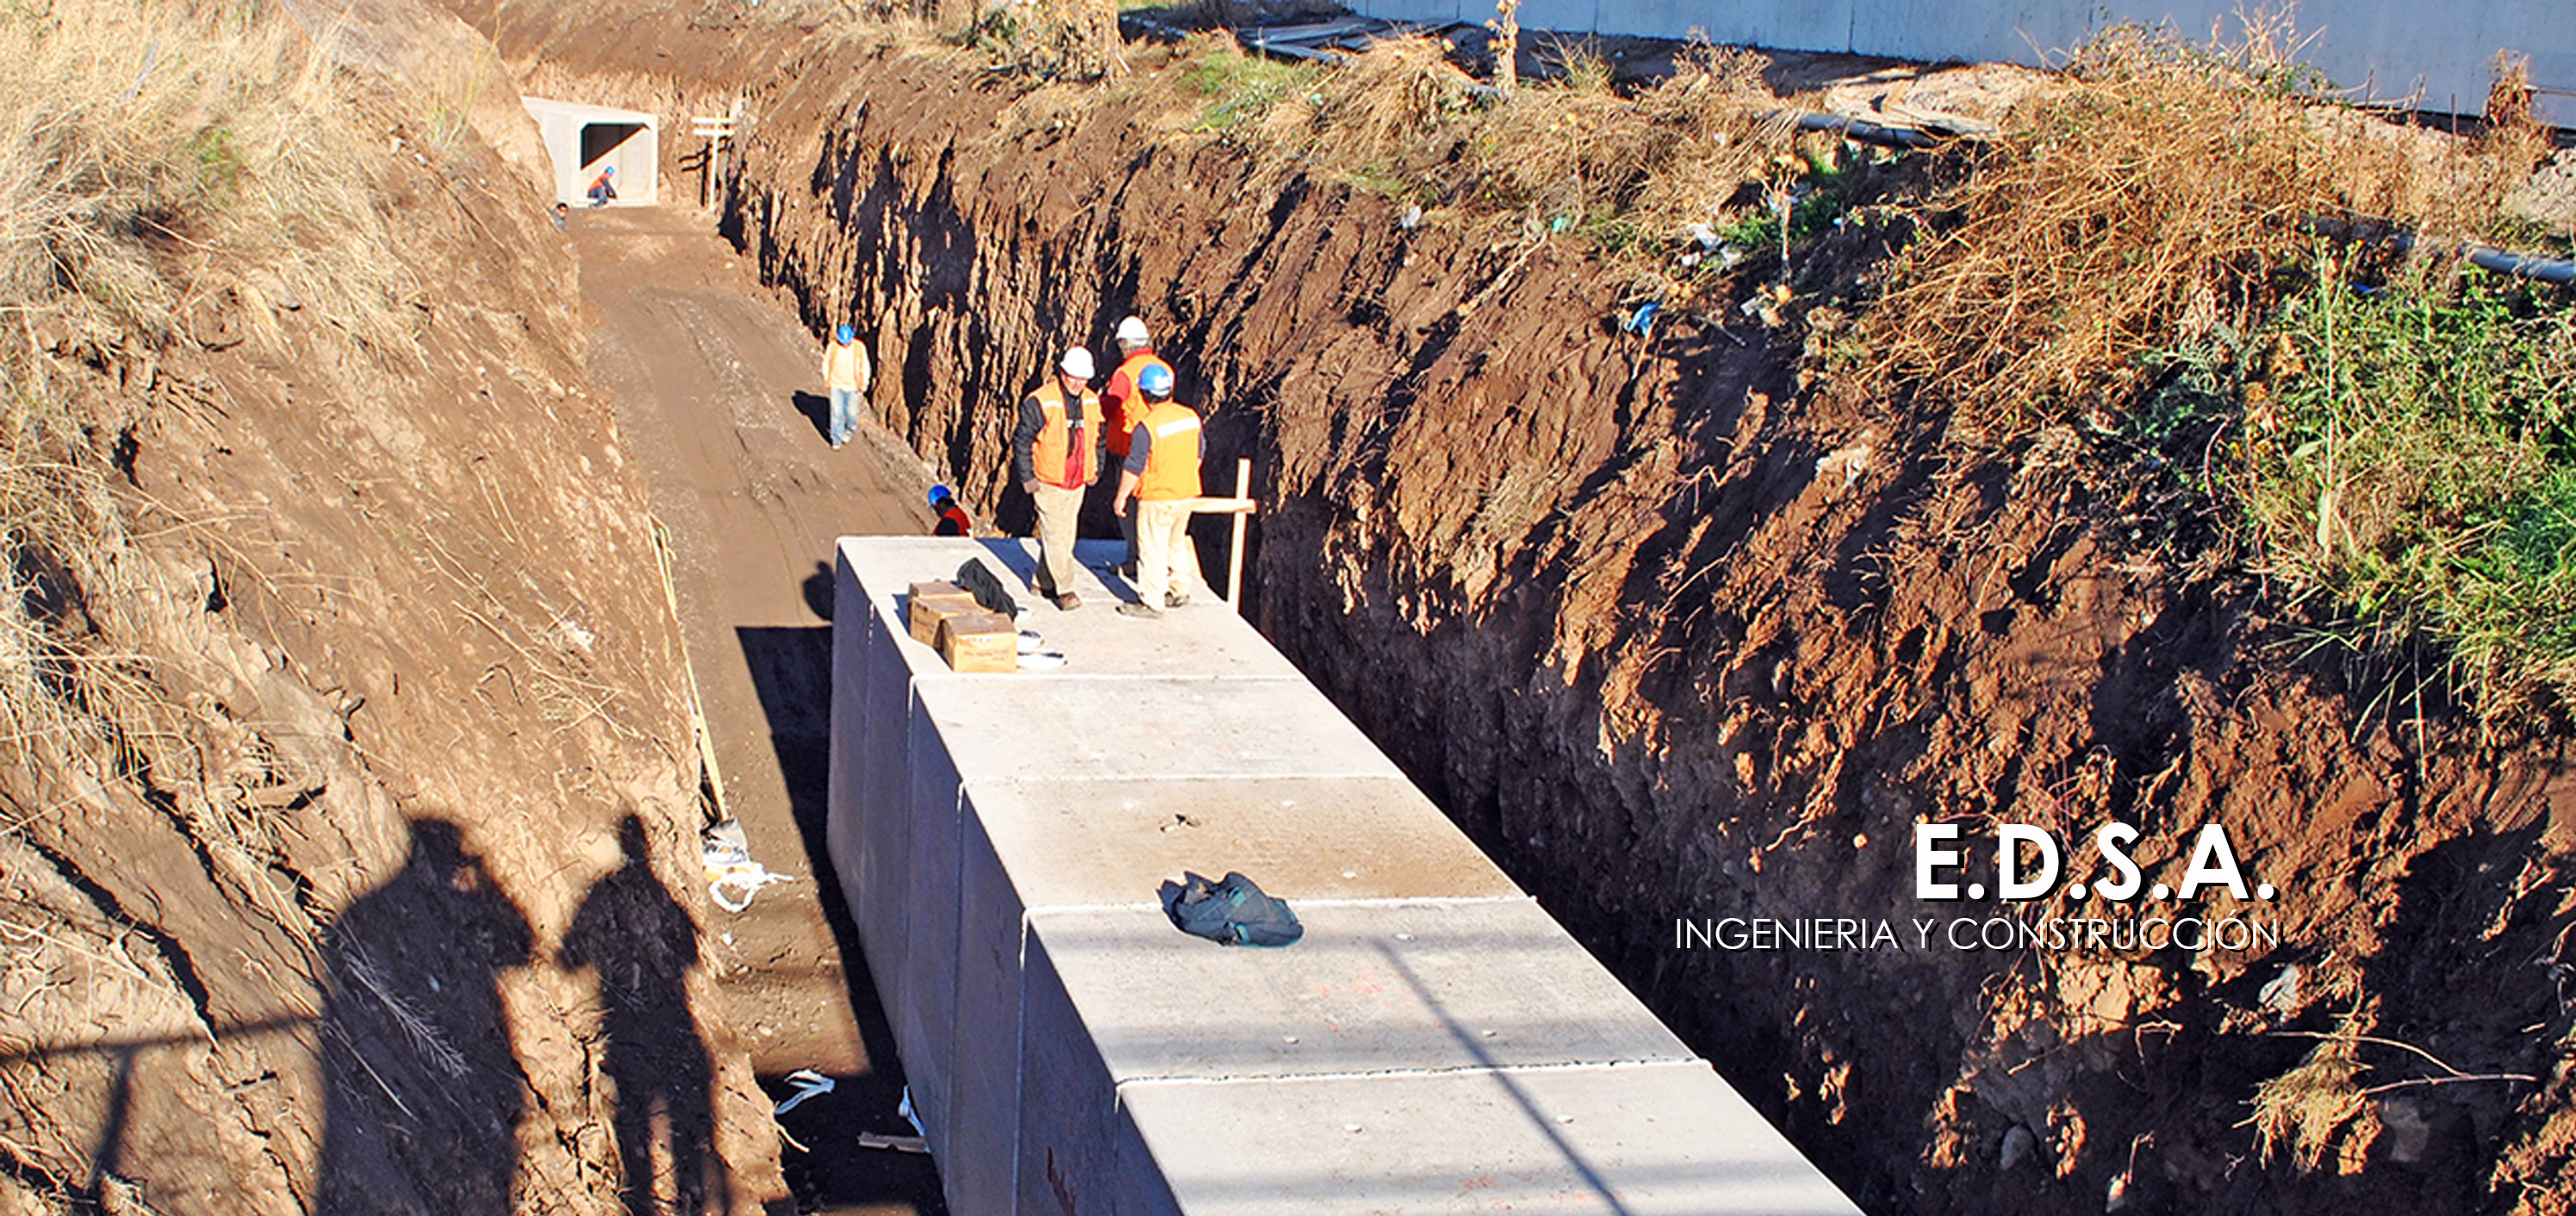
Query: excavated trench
[[1679, 635], [1682, 636]]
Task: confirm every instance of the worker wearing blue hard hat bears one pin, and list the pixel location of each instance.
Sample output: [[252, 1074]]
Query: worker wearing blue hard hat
[[845, 375], [603, 187], [1162, 474], [953, 520]]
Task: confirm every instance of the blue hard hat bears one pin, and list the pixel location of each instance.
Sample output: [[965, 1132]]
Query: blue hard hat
[[1156, 380], [939, 494], [843, 335], [610, 171]]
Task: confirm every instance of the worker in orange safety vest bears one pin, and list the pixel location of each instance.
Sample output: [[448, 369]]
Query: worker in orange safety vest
[[1125, 408], [1055, 452], [1162, 474]]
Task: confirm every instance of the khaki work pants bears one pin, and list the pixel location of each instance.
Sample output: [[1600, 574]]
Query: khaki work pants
[[1059, 518], [1167, 564]]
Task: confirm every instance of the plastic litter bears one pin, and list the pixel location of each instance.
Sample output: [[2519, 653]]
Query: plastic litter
[[1042, 660], [748, 878], [1641, 322], [808, 1083], [904, 1108], [726, 854]]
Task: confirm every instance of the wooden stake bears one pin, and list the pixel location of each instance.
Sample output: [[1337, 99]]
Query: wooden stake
[[1234, 552]]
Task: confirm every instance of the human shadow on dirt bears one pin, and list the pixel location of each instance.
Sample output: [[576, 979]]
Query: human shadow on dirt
[[422, 1093], [819, 588], [642, 943], [817, 410]]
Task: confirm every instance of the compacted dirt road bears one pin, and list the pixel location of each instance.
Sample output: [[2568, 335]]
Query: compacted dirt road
[[718, 398]]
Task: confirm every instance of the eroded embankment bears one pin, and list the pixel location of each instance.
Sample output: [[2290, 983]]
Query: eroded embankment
[[357, 873], [1676, 635]]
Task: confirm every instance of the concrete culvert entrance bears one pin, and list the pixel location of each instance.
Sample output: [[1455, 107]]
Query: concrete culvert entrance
[[583, 139]]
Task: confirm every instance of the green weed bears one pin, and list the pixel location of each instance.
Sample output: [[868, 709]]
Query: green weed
[[2412, 448], [1235, 88]]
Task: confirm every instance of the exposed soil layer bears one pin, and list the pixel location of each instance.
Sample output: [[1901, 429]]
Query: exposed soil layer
[[378, 888], [1678, 633], [717, 400]]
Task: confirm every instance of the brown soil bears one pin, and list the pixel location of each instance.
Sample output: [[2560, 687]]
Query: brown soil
[[1676, 633], [399, 910], [716, 394], [387, 897]]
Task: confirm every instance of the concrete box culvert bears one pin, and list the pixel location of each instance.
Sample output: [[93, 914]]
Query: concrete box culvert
[[583, 139]]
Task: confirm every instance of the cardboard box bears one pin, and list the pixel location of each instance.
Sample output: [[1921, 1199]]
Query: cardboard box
[[979, 641], [930, 603]]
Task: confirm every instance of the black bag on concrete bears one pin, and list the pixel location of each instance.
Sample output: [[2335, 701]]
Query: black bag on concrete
[[1231, 911], [977, 580]]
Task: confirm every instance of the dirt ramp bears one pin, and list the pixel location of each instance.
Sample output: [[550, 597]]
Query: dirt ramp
[[350, 861]]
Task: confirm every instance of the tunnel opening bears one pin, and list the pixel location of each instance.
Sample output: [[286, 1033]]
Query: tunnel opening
[[584, 140]]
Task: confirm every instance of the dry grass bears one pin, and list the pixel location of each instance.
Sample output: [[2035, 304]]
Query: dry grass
[[1052, 39], [153, 159], [1550, 155], [60, 529], [2149, 205], [2302, 1111], [150, 154]]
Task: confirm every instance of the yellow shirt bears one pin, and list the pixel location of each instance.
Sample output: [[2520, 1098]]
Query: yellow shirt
[[845, 366]]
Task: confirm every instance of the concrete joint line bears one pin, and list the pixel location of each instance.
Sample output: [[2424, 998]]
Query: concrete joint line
[[1379, 1074], [1395, 901]]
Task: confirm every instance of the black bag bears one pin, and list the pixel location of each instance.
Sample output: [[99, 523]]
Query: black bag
[[977, 580], [1231, 911]]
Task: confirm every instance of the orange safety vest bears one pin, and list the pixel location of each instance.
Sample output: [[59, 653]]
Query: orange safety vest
[[1065, 455], [1172, 464], [1125, 402]]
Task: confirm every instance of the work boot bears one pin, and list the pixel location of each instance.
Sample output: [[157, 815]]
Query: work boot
[[1068, 601], [1176, 601], [1145, 611]]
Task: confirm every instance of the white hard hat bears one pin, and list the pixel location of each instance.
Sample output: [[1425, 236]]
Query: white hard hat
[[1132, 332], [1077, 364]]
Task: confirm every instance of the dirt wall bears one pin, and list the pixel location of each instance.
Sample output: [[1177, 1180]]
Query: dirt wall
[[374, 887], [1680, 634]]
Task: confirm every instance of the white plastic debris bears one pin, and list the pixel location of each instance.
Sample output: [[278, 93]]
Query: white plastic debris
[[808, 1083], [726, 854], [724, 846], [748, 878], [904, 1108], [2281, 995]]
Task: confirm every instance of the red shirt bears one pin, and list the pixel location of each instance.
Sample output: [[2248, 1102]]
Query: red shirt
[[1121, 400]]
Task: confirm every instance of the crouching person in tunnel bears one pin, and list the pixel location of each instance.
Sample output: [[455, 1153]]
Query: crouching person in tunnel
[[1162, 475], [1055, 453]]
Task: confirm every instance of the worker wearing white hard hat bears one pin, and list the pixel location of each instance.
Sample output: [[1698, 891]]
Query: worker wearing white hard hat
[[1125, 408], [1055, 453]]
